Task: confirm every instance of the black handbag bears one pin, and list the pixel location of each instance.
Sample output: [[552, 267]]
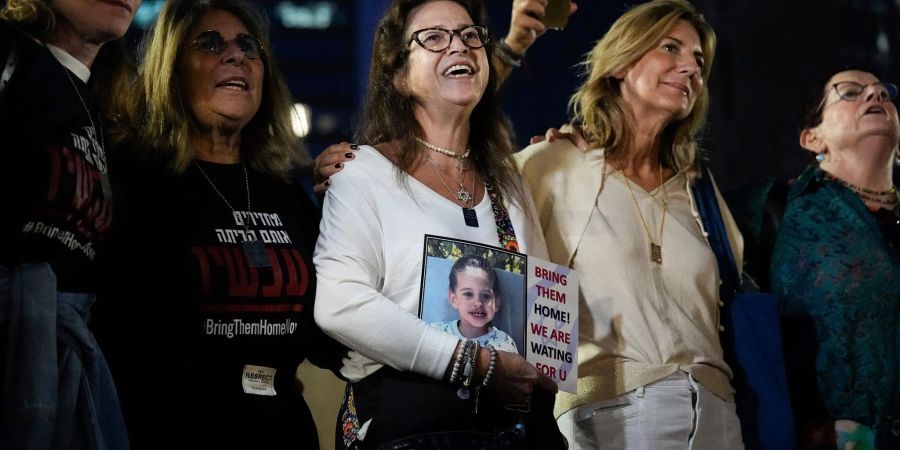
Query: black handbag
[[428, 414]]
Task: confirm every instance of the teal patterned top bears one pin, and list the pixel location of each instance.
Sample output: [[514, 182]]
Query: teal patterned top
[[839, 279]]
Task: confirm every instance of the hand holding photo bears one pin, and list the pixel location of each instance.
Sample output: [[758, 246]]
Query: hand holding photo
[[474, 291]]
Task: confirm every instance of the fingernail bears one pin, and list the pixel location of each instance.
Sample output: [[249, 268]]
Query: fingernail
[[349, 155], [338, 166], [354, 147]]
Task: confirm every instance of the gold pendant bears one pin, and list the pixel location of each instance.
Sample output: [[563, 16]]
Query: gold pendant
[[655, 253]]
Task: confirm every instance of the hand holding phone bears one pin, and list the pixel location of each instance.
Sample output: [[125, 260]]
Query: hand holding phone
[[556, 14]]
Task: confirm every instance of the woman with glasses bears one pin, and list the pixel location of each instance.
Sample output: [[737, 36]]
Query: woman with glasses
[[525, 27], [837, 268], [652, 372], [62, 64], [439, 163], [212, 284]]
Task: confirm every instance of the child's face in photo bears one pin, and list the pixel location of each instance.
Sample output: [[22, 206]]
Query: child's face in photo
[[474, 299]]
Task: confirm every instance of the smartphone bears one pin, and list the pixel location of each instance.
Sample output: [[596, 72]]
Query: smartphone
[[556, 14]]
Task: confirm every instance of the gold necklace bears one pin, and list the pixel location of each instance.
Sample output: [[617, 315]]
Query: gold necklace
[[462, 196], [655, 248]]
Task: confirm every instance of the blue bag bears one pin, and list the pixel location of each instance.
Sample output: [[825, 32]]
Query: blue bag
[[751, 340]]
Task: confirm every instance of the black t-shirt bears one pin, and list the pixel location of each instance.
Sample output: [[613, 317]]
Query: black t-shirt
[[51, 178], [182, 283]]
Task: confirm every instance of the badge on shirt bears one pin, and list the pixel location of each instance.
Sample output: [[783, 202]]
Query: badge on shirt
[[258, 380]]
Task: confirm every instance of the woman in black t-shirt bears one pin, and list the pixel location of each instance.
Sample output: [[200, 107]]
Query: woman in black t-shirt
[[210, 309], [54, 59]]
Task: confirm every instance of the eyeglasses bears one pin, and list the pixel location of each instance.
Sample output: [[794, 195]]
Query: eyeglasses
[[439, 39], [852, 91], [212, 43]]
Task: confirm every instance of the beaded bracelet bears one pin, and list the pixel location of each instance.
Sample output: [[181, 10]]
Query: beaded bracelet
[[507, 55], [471, 360], [457, 365], [491, 365]]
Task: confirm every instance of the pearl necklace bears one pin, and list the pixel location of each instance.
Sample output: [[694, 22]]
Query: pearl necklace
[[444, 151]]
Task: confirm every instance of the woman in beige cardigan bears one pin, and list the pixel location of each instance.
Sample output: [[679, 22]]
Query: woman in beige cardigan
[[651, 369]]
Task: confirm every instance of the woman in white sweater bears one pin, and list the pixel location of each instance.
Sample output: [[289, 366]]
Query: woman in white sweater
[[439, 164]]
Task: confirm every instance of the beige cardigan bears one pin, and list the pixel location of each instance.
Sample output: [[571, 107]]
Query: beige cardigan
[[565, 184]]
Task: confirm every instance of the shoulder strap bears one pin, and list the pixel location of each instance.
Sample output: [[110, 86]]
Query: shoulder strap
[[708, 207], [505, 230]]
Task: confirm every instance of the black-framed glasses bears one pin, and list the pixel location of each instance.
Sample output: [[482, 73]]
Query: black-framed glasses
[[852, 91], [212, 43], [439, 39]]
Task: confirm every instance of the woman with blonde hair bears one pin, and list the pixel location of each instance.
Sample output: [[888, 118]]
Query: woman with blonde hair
[[651, 367], [213, 246], [61, 65]]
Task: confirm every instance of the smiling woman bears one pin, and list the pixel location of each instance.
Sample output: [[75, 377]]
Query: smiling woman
[[439, 158], [214, 243], [652, 371]]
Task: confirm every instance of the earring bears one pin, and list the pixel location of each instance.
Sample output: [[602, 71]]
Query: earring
[[897, 157], [820, 156]]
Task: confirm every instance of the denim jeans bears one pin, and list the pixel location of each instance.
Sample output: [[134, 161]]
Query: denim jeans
[[57, 391], [673, 413]]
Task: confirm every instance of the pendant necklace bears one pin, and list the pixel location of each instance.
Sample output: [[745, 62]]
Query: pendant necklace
[[105, 185], [461, 194], [462, 197], [655, 247], [254, 249]]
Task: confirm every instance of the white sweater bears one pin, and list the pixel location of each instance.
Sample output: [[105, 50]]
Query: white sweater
[[369, 264]]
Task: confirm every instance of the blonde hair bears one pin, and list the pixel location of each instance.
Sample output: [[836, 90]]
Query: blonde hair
[[112, 71], [165, 124], [598, 105], [34, 15]]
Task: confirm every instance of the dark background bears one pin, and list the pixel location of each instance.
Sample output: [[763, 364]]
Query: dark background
[[771, 53]]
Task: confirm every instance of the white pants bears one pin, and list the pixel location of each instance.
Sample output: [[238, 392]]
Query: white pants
[[673, 413]]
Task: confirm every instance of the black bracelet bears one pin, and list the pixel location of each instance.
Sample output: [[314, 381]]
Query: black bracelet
[[507, 55]]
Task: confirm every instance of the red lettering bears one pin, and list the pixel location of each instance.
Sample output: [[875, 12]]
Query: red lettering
[[243, 280], [539, 329], [560, 336], [547, 370], [273, 290], [298, 276], [549, 275]]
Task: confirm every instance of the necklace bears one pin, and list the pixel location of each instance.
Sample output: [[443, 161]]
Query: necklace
[[887, 198], [253, 248], [446, 151], [892, 192], [462, 196], [461, 193], [655, 248], [105, 185]]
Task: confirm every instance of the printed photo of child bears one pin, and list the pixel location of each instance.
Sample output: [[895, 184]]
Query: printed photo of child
[[474, 292]]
